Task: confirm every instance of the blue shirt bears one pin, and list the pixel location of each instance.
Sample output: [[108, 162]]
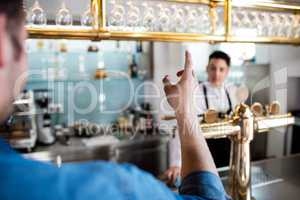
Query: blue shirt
[[22, 179]]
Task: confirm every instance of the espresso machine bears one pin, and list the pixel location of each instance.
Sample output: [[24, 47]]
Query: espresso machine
[[20, 129], [45, 110], [31, 120]]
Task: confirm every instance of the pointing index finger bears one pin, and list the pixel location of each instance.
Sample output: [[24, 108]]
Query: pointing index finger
[[188, 61]]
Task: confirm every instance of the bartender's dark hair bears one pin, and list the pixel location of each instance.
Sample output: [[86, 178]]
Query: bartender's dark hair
[[221, 55], [15, 18]]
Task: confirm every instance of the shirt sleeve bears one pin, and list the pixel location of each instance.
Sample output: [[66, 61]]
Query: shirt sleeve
[[96, 180], [203, 185], [128, 182]]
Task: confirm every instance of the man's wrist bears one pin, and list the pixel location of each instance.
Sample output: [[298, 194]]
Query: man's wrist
[[185, 115]]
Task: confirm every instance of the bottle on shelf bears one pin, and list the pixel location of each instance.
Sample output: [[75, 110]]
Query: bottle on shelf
[[100, 71], [133, 67], [139, 47]]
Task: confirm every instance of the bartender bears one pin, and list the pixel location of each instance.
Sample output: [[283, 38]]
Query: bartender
[[213, 94]]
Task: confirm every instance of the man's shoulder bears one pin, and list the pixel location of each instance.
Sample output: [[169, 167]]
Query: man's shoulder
[[105, 167]]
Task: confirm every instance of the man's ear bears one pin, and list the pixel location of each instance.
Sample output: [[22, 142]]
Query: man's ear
[[3, 37]]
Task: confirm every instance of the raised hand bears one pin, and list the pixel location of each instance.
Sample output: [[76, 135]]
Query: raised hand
[[181, 95]]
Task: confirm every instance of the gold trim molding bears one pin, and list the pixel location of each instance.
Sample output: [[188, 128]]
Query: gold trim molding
[[101, 32]]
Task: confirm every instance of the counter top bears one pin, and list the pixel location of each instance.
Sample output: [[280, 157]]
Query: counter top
[[147, 152], [286, 170], [272, 179]]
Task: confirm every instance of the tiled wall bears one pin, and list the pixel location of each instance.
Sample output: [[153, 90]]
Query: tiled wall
[[81, 96]]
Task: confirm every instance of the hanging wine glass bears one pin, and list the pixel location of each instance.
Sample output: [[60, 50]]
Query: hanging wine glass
[[240, 18], [265, 23], [117, 14], [235, 21], [296, 26], [255, 24], [178, 17], [289, 25], [133, 15], [64, 17], [191, 19], [220, 22], [149, 19], [246, 21], [234, 18], [164, 18], [87, 18], [205, 25], [252, 16], [275, 24], [282, 20], [37, 15]]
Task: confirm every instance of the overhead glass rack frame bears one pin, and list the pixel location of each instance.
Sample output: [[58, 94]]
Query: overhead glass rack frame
[[183, 20]]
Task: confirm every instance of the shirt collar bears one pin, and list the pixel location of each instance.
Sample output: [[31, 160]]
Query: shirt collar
[[208, 84]]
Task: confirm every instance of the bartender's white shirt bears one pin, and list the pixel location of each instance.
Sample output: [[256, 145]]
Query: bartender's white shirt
[[217, 100]]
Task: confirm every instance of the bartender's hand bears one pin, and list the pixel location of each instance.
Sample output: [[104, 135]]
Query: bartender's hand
[[181, 95], [171, 174]]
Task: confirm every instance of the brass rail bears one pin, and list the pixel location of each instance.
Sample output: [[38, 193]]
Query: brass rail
[[165, 37]]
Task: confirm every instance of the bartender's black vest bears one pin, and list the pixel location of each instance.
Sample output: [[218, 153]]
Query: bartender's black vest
[[219, 148]]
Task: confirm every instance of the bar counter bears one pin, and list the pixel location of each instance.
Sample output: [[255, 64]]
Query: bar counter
[[286, 171]]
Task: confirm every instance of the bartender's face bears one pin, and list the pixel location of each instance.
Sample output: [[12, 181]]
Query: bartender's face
[[12, 65], [217, 71]]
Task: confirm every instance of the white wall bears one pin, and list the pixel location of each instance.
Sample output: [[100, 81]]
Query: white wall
[[284, 62], [167, 61], [169, 58], [293, 93]]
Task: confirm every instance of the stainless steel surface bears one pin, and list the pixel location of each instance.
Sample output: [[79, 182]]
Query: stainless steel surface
[[73, 154], [287, 169], [260, 177], [273, 179], [148, 153]]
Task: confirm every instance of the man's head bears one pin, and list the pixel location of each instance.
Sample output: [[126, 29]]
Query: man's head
[[12, 53], [218, 68]]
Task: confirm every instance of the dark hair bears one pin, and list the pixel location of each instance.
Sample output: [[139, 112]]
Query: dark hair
[[220, 55], [15, 17]]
